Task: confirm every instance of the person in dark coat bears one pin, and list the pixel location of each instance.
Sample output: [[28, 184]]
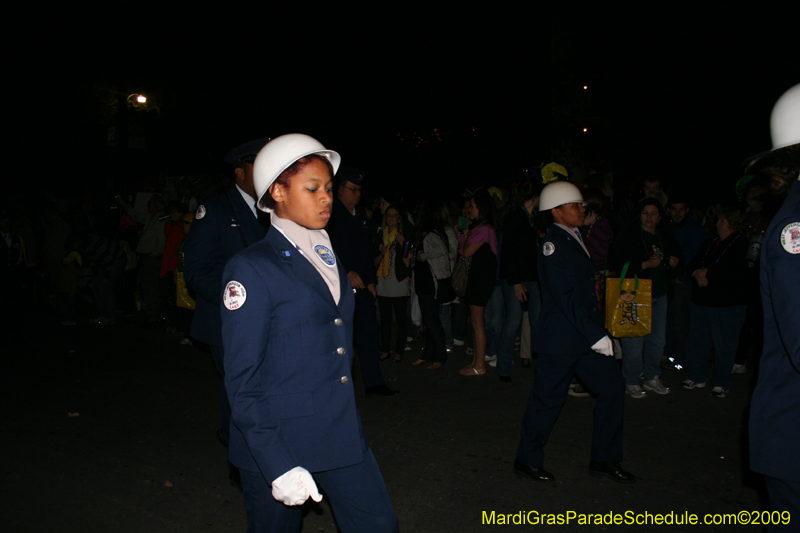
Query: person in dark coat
[[775, 406], [720, 279], [287, 323], [352, 238], [571, 339], [519, 274], [652, 254], [223, 226]]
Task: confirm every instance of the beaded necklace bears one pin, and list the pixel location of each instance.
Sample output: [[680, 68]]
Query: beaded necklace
[[657, 251], [705, 256]]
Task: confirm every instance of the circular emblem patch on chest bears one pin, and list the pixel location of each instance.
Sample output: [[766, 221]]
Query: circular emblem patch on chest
[[201, 212], [234, 296], [549, 248], [790, 238], [326, 254]]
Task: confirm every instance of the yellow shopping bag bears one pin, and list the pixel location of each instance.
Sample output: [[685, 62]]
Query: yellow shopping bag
[[183, 298], [629, 305]]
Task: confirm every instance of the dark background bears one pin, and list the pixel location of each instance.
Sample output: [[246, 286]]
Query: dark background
[[418, 96]]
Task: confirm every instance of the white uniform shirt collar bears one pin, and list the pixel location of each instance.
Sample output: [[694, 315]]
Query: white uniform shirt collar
[[575, 233], [248, 200]]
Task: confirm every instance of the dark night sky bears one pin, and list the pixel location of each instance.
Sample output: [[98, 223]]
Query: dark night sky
[[686, 94]]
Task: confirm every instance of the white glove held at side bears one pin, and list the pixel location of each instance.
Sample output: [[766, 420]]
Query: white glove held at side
[[604, 346], [295, 487]]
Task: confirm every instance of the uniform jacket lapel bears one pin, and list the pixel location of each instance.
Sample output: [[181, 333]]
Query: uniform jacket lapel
[[252, 228], [559, 233], [299, 267]]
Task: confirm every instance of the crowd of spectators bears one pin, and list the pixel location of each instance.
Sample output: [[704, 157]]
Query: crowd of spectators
[[94, 265]]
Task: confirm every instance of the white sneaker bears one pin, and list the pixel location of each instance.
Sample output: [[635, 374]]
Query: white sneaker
[[635, 391], [719, 392], [688, 384], [739, 369], [186, 341], [493, 363], [656, 385], [470, 351], [488, 358], [458, 342]]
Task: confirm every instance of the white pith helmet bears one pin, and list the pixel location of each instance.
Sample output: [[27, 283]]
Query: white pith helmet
[[785, 119], [279, 154], [559, 193]]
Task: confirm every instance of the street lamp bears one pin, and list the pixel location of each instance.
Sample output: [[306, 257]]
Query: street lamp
[[137, 101]]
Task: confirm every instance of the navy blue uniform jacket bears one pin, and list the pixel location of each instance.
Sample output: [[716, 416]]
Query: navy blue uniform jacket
[[351, 237], [213, 239], [288, 360], [570, 321], [775, 408]]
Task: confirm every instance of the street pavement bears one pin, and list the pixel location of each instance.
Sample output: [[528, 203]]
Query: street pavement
[[111, 429]]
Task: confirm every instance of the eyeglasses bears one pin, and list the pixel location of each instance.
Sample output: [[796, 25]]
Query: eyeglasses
[[354, 189]]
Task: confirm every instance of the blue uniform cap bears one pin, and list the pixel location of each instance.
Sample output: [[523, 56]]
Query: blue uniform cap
[[245, 153], [351, 174]]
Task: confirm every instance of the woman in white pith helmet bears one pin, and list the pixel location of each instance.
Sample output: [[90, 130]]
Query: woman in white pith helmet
[[287, 328]]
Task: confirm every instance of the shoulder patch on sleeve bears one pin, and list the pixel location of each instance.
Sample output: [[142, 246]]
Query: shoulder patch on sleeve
[[790, 238], [201, 212], [549, 248], [234, 296]]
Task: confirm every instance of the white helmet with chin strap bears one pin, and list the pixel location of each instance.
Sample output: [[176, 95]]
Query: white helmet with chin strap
[[559, 193], [279, 154], [785, 119]]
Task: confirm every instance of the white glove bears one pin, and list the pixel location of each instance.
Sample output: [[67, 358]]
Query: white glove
[[604, 346], [295, 487]]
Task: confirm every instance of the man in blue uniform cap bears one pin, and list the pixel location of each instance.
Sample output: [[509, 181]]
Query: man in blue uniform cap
[[573, 340], [223, 226], [351, 235], [775, 407]]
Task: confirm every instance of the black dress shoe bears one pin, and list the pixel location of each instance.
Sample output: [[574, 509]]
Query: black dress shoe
[[221, 437], [612, 470], [234, 477], [381, 390], [534, 473], [505, 379]]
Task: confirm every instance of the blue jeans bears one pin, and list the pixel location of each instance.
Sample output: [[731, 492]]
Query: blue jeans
[[643, 354], [513, 314], [446, 318], [435, 350], [494, 318], [104, 293], [461, 327], [716, 327]]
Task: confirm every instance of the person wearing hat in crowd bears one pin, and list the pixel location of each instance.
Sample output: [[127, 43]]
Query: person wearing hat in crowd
[[287, 324], [223, 226], [775, 406], [352, 237], [576, 343]]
